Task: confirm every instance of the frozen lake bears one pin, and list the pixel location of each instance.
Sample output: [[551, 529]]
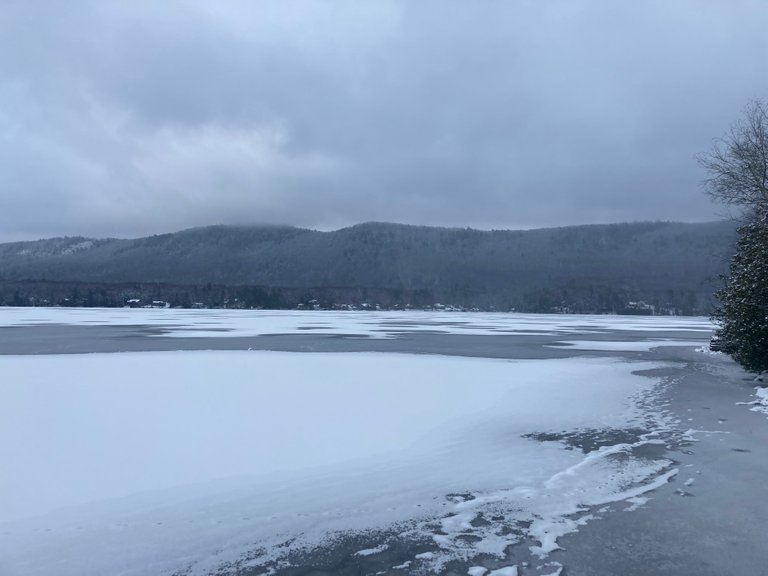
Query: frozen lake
[[188, 442], [234, 323]]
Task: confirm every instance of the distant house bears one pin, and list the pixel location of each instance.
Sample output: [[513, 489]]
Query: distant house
[[136, 303], [638, 309]]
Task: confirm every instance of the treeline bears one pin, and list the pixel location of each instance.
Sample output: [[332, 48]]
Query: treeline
[[671, 267], [589, 300], [100, 295]]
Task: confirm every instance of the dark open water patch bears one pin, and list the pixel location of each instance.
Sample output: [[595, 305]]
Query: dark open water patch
[[591, 440], [344, 554], [394, 551]]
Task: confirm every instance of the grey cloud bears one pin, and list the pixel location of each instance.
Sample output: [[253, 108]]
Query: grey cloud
[[143, 117]]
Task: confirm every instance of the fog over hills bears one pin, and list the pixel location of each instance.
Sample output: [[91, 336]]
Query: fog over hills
[[594, 268]]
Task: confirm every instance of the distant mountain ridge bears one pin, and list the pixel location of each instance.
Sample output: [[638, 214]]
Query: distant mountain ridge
[[579, 268]]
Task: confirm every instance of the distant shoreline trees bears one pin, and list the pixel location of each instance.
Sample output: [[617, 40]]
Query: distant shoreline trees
[[737, 166], [642, 267]]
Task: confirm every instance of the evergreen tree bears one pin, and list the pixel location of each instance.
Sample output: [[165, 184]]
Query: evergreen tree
[[743, 309]]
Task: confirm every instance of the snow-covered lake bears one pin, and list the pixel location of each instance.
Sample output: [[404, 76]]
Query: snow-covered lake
[[181, 462], [235, 323]]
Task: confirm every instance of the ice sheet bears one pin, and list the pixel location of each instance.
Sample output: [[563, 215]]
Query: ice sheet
[[231, 323], [294, 447]]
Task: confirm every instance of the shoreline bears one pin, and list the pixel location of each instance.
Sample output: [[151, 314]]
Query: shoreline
[[711, 519]]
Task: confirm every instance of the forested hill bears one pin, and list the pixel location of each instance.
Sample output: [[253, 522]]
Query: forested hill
[[582, 268]]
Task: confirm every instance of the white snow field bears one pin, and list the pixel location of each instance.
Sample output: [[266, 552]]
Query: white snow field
[[166, 463], [621, 346], [232, 323]]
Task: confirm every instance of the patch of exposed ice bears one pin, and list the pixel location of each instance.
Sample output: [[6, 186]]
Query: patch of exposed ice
[[635, 503], [690, 434]]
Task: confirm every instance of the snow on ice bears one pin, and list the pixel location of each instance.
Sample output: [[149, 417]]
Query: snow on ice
[[619, 346], [233, 323], [146, 463], [760, 403]]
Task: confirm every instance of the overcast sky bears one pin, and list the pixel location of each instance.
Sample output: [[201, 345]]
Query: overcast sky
[[132, 118]]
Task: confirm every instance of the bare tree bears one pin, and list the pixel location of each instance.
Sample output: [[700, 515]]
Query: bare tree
[[738, 162]]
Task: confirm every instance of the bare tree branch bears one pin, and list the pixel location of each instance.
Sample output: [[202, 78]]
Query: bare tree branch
[[737, 164]]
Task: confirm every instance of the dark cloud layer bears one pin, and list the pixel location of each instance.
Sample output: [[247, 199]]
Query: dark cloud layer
[[128, 118]]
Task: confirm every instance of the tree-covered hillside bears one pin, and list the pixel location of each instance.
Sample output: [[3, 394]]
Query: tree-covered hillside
[[582, 268]]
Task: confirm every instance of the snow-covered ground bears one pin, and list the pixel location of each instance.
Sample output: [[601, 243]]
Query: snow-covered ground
[[760, 403], [230, 323], [182, 462]]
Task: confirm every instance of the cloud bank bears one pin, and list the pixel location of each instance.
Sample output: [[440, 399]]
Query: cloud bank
[[124, 119]]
